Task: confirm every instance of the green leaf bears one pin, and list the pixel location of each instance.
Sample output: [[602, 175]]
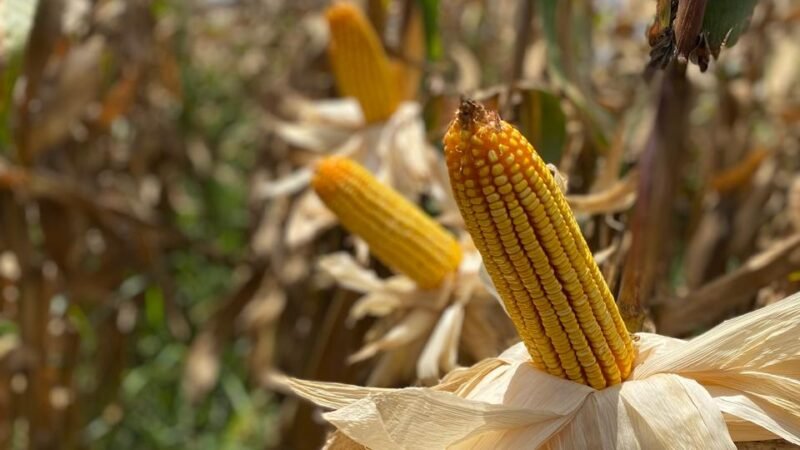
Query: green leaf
[[154, 307], [543, 123], [433, 39], [8, 327], [725, 21], [567, 26], [664, 14]]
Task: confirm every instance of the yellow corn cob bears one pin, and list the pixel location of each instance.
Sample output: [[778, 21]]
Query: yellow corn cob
[[535, 252], [399, 234], [360, 65]]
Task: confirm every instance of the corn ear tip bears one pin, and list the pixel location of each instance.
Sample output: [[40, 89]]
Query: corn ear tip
[[471, 113], [341, 13], [326, 173]]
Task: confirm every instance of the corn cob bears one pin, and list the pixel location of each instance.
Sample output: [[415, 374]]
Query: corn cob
[[399, 234], [361, 67], [534, 251]]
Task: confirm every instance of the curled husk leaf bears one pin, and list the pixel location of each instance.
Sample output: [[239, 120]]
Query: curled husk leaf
[[426, 324], [739, 381]]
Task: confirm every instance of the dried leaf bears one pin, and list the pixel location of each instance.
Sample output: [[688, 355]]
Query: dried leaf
[[713, 301], [77, 86], [308, 217], [687, 25], [740, 173], [794, 203], [288, 185], [348, 273], [411, 327], [119, 98], [441, 350], [403, 146], [375, 304], [394, 367], [620, 196], [343, 113], [311, 137]]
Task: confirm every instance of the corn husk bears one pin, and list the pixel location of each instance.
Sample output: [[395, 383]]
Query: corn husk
[[430, 320], [739, 381]]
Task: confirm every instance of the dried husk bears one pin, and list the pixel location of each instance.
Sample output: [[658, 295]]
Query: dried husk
[[409, 315], [739, 381]]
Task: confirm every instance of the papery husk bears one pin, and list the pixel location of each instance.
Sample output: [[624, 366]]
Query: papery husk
[[307, 218], [381, 298], [339, 441], [430, 320], [739, 381], [441, 350], [416, 324]]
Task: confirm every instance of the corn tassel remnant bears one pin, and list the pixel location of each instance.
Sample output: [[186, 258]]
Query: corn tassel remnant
[[361, 67], [534, 251], [399, 234]]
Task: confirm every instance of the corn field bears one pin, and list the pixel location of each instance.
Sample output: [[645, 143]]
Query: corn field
[[399, 224]]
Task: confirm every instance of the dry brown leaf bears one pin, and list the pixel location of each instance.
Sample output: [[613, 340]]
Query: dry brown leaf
[[713, 301], [703, 246], [119, 98], [77, 85], [740, 173], [749, 216], [620, 196], [794, 203]]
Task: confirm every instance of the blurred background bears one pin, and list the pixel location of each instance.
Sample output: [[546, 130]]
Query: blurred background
[[159, 243]]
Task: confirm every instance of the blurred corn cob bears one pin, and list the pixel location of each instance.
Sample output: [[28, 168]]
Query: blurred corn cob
[[360, 65], [534, 251], [399, 234]]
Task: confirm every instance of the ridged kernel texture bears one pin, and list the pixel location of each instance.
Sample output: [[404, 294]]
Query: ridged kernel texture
[[360, 65], [534, 251], [399, 234]]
